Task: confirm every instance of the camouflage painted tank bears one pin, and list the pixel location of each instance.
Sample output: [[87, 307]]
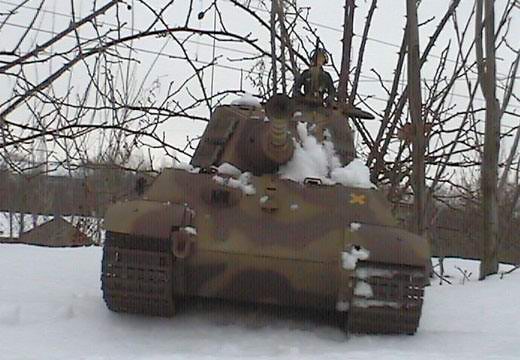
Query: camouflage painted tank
[[231, 226]]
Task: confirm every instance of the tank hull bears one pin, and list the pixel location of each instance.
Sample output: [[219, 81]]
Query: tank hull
[[265, 240]]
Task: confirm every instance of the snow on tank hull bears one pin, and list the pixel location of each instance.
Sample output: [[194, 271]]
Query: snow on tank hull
[[266, 240]]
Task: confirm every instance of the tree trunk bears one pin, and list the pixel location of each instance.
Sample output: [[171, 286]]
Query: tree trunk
[[286, 39], [283, 47], [274, 72], [11, 225], [489, 169], [348, 33], [415, 105]]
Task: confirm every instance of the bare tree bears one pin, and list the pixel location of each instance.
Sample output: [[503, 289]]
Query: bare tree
[[121, 115], [111, 111], [485, 20]]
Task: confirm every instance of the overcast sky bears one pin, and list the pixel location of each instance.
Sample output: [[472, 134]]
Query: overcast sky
[[327, 17]]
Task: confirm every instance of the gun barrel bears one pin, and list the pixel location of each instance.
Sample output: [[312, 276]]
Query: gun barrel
[[278, 146], [352, 111], [278, 132]]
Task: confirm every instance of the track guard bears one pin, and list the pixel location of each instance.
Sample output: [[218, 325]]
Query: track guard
[[147, 218]]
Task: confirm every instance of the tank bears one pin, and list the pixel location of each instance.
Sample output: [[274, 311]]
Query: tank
[[234, 225]]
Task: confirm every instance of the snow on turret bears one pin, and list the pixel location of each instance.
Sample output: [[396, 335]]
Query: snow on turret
[[185, 166], [247, 100], [228, 169], [355, 174], [314, 159]]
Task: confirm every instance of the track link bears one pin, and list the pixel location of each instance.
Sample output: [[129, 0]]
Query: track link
[[387, 299], [136, 275]]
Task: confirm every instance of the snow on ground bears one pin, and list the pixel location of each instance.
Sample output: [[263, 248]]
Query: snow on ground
[[51, 308]]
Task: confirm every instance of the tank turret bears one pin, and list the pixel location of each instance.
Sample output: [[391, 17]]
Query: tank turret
[[252, 137], [260, 138]]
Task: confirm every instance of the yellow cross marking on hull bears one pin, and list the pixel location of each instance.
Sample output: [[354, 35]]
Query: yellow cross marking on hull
[[358, 199]]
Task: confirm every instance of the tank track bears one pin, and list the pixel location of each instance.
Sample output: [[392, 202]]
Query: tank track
[[136, 275], [387, 299]]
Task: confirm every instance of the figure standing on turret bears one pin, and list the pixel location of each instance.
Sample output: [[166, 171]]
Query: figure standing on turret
[[316, 82]]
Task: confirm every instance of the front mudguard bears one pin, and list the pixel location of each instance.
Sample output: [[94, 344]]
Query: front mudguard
[[389, 245], [147, 218]]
